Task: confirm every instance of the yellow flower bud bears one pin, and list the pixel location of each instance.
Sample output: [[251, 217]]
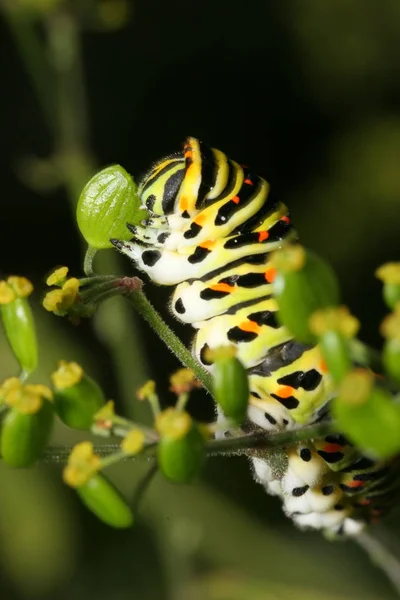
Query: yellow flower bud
[[173, 424], [133, 442], [7, 294], [334, 319], [83, 463], [57, 277], [67, 374], [21, 286], [183, 381]]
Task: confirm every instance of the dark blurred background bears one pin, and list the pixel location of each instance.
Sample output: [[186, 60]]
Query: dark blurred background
[[308, 94]]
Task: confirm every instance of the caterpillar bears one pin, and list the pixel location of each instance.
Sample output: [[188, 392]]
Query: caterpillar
[[211, 228]]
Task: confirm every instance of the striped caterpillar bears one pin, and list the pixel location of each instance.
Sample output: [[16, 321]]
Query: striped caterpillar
[[213, 224]]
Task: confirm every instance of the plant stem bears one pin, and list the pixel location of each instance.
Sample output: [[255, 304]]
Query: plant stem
[[147, 311], [229, 446], [88, 261], [243, 443], [381, 556]]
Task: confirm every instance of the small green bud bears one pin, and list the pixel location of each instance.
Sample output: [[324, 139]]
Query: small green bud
[[333, 327], [230, 385], [181, 449], [18, 321], [105, 501], [368, 415], [77, 397], [389, 274], [25, 436], [391, 358], [107, 203], [304, 283]]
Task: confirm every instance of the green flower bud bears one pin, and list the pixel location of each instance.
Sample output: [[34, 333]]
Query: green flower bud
[[389, 274], [25, 436], [107, 203], [77, 397], [18, 321], [333, 327], [303, 284], [391, 358], [367, 415], [104, 500], [181, 449], [230, 385]]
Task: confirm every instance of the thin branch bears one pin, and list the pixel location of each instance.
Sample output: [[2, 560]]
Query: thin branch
[[234, 445], [381, 556], [147, 311]]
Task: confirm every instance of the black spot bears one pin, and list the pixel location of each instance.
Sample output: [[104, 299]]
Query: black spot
[[209, 294], [265, 317], [270, 418], [338, 507], [185, 214], [192, 231], [299, 491], [251, 280], [327, 490], [179, 307], [285, 421], [256, 395], [330, 457], [305, 454], [198, 255], [150, 201], [238, 335], [308, 380], [291, 402], [203, 355], [162, 237], [150, 257]]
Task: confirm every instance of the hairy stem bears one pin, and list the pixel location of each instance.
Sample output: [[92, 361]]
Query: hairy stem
[[381, 556], [88, 261], [226, 447], [147, 311]]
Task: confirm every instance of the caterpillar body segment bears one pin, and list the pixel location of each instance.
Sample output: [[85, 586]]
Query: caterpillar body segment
[[211, 228]]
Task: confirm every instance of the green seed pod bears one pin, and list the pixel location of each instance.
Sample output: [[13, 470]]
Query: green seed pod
[[333, 327], [25, 436], [180, 460], [335, 350], [231, 387], [107, 203], [105, 501], [389, 274], [77, 397], [391, 294], [368, 415], [18, 321], [391, 358], [303, 284]]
